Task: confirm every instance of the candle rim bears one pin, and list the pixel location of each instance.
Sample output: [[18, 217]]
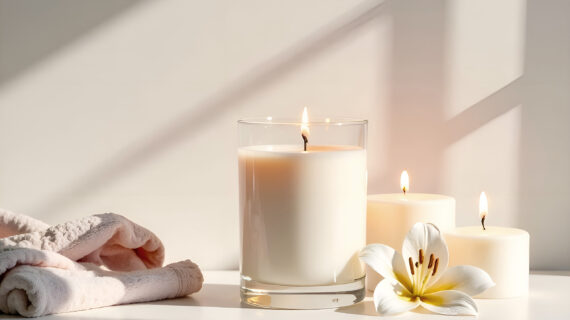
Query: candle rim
[[409, 197], [485, 234], [293, 149], [296, 122]]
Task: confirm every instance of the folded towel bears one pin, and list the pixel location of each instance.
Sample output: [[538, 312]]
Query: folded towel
[[34, 291], [62, 268], [105, 239]]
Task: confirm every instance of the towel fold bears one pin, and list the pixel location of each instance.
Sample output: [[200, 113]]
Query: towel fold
[[104, 239], [33, 291], [97, 261]]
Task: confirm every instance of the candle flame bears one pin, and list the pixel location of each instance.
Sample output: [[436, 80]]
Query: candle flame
[[405, 181], [483, 206], [305, 124]]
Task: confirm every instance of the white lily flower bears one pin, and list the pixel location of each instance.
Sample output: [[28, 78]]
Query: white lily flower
[[420, 278]]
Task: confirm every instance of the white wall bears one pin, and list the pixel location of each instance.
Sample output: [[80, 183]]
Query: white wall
[[130, 106]]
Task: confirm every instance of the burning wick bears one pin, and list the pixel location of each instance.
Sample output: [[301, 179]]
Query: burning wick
[[305, 129], [305, 141], [483, 208]]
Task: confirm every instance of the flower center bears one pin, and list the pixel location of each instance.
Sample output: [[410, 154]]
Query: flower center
[[421, 273]]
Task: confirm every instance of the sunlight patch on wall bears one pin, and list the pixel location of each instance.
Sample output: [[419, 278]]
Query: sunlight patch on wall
[[486, 160], [484, 48]]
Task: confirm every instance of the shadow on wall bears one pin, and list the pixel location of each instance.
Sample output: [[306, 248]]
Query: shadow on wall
[[31, 31], [544, 202], [417, 92], [198, 116]]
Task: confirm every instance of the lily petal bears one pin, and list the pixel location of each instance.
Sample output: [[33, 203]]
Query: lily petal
[[390, 297], [387, 262], [427, 237], [468, 279], [449, 302]]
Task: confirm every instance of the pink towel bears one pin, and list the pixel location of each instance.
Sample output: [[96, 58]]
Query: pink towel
[[92, 262]]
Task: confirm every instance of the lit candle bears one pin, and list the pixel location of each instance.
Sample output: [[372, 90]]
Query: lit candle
[[390, 217], [502, 252], [302, 213]]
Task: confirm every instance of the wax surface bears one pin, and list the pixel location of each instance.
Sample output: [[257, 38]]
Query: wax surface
[[303, 214], [390, 217], [502, 252]]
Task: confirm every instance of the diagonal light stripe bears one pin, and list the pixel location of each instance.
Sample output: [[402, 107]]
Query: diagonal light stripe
[[483, 111]]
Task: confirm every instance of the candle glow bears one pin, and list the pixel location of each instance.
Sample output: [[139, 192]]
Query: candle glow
[[405, 181]]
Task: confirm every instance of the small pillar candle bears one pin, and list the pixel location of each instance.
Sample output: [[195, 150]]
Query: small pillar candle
[[390, 217], [502, 252]]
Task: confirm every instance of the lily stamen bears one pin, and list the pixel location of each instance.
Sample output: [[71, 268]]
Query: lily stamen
[[435, 266], [416, 279], [421, 256], [425, 278], [411, 265]]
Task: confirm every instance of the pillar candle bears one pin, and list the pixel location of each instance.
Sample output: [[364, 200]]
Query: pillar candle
[[390, 217], [502, 252]]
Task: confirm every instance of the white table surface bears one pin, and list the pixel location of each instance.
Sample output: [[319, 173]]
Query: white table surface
[[219, 299]]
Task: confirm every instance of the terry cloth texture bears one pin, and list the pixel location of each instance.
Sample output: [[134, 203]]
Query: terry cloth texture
[[92, 262]]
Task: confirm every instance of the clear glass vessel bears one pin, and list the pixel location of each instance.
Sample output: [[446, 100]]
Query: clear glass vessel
[[302, 212]]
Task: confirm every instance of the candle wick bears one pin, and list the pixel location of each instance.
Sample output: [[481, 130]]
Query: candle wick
[[483, 222], [305, 141]]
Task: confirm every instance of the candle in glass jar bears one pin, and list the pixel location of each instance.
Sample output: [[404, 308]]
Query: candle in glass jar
[[502, 252], [303, 212]]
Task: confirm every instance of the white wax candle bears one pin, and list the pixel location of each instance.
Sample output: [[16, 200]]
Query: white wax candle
[[303, 213], [390, 217], [502, 252]]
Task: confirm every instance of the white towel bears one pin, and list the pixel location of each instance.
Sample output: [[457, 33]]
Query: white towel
[[40, 274]]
